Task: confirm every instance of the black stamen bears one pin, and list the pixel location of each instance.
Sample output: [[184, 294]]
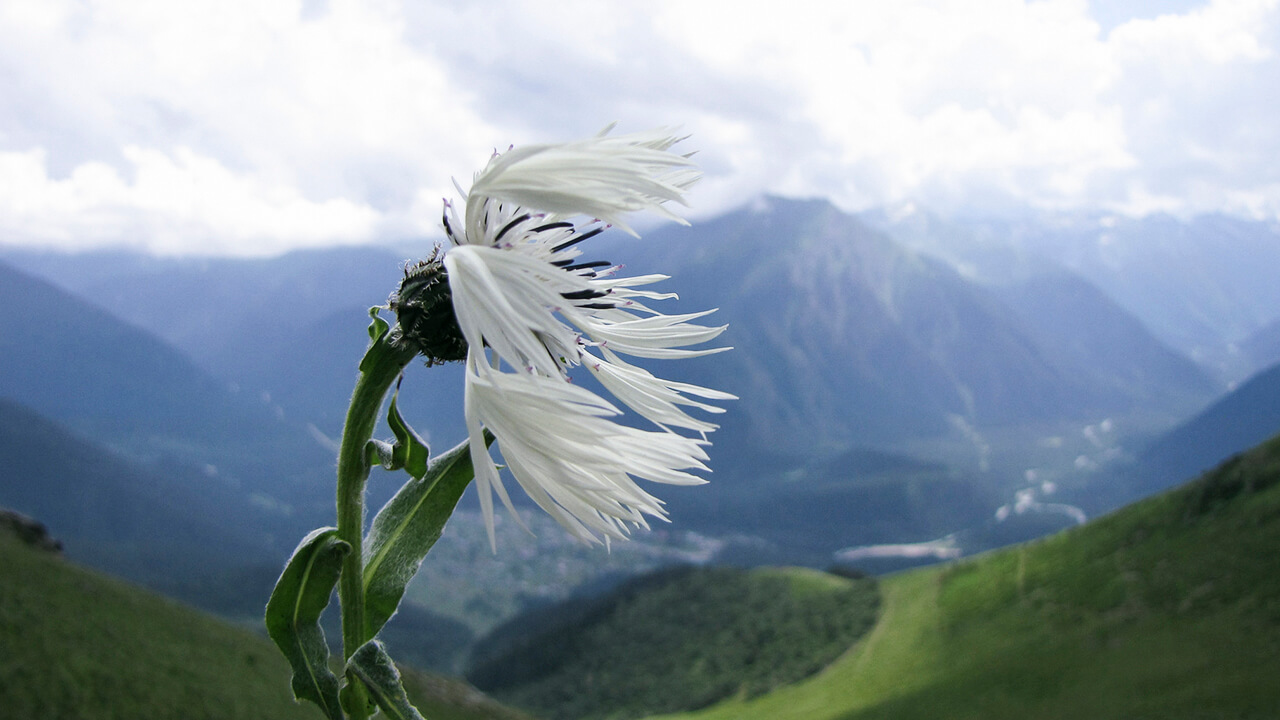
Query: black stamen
[[553, 226], [577, 239], [447, 229], [598, 306], [508, 226], [582, 295], [582, 266]]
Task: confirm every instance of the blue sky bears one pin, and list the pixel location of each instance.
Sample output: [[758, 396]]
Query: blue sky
[[257, 126]]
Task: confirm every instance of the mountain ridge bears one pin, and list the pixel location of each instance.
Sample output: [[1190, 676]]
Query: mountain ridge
[[1201, 285], [118, 384], [919, 346]]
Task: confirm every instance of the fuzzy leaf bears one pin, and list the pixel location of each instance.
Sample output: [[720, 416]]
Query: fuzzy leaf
[[293, 616], [409, 451], [373, 666], [378, 327], [379, 340], [380, 452], [406, 528]]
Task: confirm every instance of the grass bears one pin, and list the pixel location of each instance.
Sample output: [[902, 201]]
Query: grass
[[78, 645], [676, 639], [1167, 609]]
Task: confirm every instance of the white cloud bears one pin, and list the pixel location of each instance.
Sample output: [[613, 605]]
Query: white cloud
[[1198, 96], [1220, 33], [926, 97], [968, 106], [343, 121], [176, 204], [337, 115]]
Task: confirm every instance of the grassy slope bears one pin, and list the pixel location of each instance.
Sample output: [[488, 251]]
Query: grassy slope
[[1167, 609], [676, 639], [74, 644]]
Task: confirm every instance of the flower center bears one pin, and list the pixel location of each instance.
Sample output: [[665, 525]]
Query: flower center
[[423, 304]]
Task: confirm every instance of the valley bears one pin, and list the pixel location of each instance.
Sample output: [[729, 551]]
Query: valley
[[912, 391]]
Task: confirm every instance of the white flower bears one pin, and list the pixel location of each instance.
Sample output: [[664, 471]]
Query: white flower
[[530, 311]]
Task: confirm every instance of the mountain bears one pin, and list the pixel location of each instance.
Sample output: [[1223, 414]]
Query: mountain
[[288, 330], [1091, 336], [1211, 288], [1261, 350], [1200, 285], [164, 529], [80, 645], [222, 312], [117, 384], [309, 371], [845, 338], [1169, 608], [1240, 420]]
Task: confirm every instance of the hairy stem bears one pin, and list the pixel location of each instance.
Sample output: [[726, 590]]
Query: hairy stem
[[381, 366]]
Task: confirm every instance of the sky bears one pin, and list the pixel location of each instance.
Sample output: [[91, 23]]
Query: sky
[[253, 127]]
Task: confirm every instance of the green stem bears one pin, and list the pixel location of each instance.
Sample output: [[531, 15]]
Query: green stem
[[381, 365]]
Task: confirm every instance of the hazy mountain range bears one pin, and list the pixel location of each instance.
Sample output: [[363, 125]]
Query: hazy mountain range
[[1202, 285], [840, 329], [119, 385], [894, 388], [905, 382], [845, 337]]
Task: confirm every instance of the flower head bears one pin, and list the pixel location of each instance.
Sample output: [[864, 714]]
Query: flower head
[[529, 310]]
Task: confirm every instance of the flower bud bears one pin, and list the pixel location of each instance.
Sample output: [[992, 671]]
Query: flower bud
[[423, 304]]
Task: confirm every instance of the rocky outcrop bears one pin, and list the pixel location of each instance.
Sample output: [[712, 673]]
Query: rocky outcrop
[[30, 532]]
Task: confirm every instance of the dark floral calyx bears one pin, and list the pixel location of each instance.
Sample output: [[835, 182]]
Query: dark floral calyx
[[423, 304]]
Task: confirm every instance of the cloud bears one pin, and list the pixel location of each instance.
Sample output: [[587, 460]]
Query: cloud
[[334, 115], [173, 205], [1197, 93], [925, 98], [970, 106], [343, 121]]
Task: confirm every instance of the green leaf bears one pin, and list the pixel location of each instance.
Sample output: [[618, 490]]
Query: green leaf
[[378, 327], [293, 616], [378, 673], [380, 452], [379, 341], [409, 451], [406, 528]]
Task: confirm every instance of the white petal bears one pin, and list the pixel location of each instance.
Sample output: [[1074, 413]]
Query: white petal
[[655, 336], [601, 177], [652, 397], [569, 455], [506, 300]]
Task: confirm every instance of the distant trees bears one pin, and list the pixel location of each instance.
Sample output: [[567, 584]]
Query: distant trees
[[674, 640]]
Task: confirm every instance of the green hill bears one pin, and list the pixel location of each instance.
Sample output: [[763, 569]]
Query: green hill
[[1169, 608], [675, 639], [77, 645]]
